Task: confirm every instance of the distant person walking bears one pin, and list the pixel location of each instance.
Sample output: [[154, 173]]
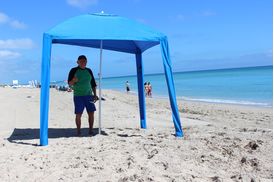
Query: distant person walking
[[146, 88], [82, 81], [149, 90], [127, 86]]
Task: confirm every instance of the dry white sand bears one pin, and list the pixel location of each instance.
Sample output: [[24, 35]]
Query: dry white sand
[[221, 142]]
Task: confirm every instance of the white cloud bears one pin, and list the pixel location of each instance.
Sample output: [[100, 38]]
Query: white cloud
[[81, 3], [5, 19], [208, 13], [205, 13], [24, 43], [18, 25], [6, 54], [181, 17]]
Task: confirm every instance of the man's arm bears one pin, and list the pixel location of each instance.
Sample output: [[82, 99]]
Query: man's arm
[[94, 91], [93, 85], [71, 78]]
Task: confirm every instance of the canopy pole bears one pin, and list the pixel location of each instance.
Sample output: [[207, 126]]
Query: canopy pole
[[100, 80], [141, 94], [171, 88], [44, 94]]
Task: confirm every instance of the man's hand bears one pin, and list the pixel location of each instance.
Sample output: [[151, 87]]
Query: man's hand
[[75, 79], [95, 98]]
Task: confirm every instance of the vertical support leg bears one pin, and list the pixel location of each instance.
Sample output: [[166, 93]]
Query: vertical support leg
[[100, 89], [171, 88], [141, 94], [44, 94]]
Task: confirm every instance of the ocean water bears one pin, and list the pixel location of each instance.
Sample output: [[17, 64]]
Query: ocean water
[[247, 86]]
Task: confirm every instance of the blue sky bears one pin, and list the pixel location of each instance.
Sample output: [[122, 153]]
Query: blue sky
[[202, 34]]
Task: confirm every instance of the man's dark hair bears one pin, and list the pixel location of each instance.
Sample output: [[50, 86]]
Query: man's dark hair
[[82, 57]]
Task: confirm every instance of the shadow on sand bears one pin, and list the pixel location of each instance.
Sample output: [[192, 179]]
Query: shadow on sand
[[20, 135]]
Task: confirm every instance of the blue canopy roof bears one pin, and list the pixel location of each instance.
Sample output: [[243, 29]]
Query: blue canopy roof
[[117, 34]]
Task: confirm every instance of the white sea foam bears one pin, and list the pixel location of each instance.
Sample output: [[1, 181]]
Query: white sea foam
[[223, 101]]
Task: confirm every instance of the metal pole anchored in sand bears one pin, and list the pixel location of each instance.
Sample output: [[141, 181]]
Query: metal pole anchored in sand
[[100, 79]]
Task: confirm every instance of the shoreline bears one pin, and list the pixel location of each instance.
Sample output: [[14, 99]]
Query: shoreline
[[242, 103]]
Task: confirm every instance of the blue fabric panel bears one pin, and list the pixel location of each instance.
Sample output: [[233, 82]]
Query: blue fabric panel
[[171, 87], [128, 46], [44, 95], [92, 27], [141, 94], [103, 27]]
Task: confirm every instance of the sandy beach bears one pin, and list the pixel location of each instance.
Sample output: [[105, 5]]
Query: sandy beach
[[222, 142]]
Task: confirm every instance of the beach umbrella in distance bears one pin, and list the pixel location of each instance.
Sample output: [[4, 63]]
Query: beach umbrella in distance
[[110, 32]]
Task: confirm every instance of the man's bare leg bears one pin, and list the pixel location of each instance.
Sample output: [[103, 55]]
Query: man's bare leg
[[78, 123], [90, 121]]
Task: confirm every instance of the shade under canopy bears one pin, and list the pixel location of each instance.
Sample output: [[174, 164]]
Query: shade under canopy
[[117, 34]]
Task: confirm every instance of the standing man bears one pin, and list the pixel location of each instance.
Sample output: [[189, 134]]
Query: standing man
[[82, 81], [127, 87]]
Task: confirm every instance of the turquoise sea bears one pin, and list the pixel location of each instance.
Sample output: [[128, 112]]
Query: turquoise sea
[[248, 86]]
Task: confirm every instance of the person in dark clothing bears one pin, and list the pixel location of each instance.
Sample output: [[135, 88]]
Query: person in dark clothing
[[82, 81], [127, 86]]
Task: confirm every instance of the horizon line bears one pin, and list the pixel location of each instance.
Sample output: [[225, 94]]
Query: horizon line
[[189, 71]]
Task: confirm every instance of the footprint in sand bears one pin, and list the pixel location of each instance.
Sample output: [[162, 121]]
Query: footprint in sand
[[151, 153]]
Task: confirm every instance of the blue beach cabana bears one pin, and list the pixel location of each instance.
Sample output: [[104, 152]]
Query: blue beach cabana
[[109, 32]]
